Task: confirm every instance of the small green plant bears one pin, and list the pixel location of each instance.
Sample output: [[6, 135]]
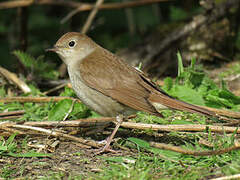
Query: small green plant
[[37, 66], [62, 108], [10, 148], [194, 86], [8, 171]]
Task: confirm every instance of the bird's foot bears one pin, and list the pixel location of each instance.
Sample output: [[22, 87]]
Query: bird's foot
[[108, 141]]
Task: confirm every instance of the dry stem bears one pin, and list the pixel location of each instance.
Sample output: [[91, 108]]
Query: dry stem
[[74, 4], [195, 153], [34, 99]]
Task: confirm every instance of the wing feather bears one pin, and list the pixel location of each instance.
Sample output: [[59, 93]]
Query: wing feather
[[105, 72]]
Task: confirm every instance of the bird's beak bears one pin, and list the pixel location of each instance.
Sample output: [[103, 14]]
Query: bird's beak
[[53, 49]]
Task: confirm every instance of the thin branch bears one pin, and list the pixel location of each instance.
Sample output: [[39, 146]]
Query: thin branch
[[231, 177], [55, 88], [75, 123], [3, 126], [91, 16], [195, 153], [155, 127], [224, 112], [34, 99], [69, 111], [11, 113], [52, 133], [184, 127], [73, 4], [10, 117]]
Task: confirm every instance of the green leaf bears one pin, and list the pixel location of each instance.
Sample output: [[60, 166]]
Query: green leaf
[[222, 98], [167, 153], [59, 111], [37, 66], [193, 62], [80, 111], [28, 154], [68, 92], [182, 121], [11, 139], [3, 148], [26, 59], [168, 84], [180, 64], [187, 94], [141, 143]]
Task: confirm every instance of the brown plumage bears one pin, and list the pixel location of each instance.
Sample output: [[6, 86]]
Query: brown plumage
[[110, 86], [114, 78]]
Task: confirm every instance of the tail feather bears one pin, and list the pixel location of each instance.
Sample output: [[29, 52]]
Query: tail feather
[[177, 104]]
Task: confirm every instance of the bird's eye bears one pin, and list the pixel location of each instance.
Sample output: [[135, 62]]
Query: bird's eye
[[71, 43]]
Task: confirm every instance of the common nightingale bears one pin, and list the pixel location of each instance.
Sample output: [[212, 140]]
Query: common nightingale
[[111, 87]]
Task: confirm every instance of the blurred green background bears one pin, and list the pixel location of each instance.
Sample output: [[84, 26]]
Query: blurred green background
[[40, 26]]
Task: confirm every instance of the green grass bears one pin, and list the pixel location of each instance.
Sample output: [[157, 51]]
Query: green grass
[[9, 147]]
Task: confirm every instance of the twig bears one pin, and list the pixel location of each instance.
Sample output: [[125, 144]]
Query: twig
[[11, 113], [224, 112], [236, 176], [65, 117], [76, 123], [185, 127], [53, 133], [73, 4], [91, 16], [69, 15], [195, 153], [35, 99], [69, 111], [55, 88], [3, 126], [13, 78], [10, 117], [155, 127], [53, 83]]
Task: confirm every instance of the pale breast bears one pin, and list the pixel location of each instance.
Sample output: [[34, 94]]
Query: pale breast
[[95, 100]]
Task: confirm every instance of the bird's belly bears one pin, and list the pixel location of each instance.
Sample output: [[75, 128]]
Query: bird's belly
[[97, 101]]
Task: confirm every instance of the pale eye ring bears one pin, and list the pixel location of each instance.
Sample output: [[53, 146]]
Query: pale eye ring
[[71, 44]]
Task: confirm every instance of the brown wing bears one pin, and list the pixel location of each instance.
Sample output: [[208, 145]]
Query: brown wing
[[105, 72]]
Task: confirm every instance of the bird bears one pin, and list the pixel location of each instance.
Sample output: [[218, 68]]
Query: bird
[[111, 87]]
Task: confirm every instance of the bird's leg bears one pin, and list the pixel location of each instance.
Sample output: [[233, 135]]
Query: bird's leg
[[119, 119]]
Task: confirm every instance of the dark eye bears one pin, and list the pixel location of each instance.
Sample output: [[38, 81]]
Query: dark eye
[[71, 43]]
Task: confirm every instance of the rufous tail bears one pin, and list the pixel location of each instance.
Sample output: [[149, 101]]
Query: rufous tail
[[172, 103]]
